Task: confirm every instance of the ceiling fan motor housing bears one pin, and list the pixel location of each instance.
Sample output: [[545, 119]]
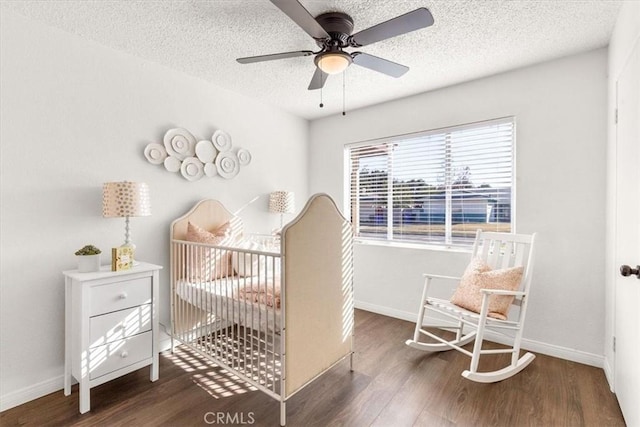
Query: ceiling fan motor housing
[[339, 26]]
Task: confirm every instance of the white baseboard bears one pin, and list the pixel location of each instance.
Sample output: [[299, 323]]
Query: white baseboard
[[26, 394], [36, 391], [530, 345], [165, 339], [386, 311], [608, 373]]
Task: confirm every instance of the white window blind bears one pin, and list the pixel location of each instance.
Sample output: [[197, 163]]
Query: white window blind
[[434, 187]]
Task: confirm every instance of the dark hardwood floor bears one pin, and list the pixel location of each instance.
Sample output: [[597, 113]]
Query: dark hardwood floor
[[392, 385]]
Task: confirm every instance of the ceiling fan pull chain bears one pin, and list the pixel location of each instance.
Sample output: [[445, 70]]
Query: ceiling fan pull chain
[[321, 84], [344, 73]]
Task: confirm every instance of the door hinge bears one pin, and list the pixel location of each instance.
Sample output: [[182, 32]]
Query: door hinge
[[614, 344], [616, 116]]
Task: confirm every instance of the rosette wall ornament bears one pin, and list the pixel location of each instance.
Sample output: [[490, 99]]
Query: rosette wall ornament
[[194, 159]]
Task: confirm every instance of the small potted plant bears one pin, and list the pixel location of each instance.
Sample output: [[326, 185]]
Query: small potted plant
[[88, 259]]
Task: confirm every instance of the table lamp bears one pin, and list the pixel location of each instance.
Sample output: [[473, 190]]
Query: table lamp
[[123, 200], [281, 202]]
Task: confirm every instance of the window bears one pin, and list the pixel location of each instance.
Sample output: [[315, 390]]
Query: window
[[434, 187]]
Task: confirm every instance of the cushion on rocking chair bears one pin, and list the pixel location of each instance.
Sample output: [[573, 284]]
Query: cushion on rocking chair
[[479, 275]]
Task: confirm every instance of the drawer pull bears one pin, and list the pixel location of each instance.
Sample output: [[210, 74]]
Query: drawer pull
[[124, 354], [122, 295]]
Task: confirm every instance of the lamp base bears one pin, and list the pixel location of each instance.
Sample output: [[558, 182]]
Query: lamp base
[[130, 244]]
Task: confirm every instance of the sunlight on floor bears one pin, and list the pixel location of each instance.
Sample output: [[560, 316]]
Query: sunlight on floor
[[213, 379]]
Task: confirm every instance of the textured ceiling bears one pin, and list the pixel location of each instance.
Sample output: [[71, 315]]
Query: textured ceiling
[[470, 39]]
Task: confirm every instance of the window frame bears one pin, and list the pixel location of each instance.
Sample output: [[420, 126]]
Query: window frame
[[446, 243]]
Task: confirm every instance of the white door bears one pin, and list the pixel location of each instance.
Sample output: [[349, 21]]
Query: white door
[[627, 305]]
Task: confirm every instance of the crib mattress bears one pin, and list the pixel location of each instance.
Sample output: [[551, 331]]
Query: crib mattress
[[221, 298]]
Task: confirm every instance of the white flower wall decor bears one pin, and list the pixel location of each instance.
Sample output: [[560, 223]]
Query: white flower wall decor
[[182, 152]]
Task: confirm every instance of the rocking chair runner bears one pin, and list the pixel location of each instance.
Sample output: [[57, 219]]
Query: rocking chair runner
[[495, 251]]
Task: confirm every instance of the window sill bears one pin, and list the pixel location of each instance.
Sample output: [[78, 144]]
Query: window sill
[[408, 245]]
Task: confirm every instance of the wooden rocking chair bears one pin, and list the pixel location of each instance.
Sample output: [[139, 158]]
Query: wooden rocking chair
[[494, 257]]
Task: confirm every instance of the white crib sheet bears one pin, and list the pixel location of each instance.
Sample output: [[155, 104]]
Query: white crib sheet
[[220, 297]]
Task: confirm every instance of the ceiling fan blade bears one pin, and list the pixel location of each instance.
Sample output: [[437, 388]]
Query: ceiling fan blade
[[419, 18], [378, 64], [298, 14], [318, 80], [261, 58]]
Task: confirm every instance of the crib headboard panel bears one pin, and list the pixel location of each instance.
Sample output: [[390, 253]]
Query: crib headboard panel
[[318, 302], [208, 214]]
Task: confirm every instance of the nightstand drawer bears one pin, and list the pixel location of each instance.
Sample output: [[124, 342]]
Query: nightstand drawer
[[119, 325], [119, 295], [119, 354]]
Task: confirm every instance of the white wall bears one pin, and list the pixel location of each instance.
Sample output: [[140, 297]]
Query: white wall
[[560, 108], [626, 33], [75, 114]]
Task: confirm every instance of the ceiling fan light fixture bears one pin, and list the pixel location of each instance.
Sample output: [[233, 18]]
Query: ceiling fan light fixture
[[333, 62]]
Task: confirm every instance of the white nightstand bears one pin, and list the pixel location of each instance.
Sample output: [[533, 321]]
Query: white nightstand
[[111, 325]]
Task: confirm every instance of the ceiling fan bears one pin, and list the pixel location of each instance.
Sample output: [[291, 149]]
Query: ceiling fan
[[332, 33]]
